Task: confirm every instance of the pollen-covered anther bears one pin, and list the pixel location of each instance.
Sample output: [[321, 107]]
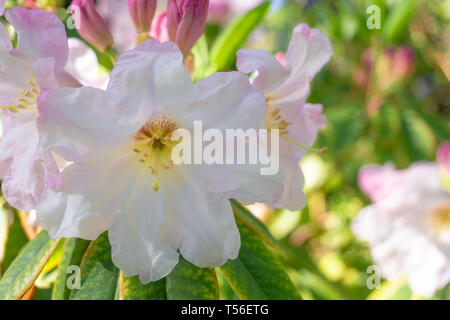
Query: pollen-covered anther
[[153, 145], [25, 98], [274, 120]]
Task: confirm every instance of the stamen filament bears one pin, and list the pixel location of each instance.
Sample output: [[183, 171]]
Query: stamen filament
[[301, 145]]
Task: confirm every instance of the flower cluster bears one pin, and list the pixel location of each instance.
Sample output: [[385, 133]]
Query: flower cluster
[[92, 160]]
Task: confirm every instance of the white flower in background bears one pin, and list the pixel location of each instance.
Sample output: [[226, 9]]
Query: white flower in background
[[123, 180], [286, 88], [408, 227]]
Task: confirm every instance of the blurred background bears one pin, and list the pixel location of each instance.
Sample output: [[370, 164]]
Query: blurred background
[[386, 96]]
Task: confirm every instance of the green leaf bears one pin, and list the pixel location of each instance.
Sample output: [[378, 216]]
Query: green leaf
[[223, 52], [255, 225], [398, 19], [72, 254], [133, 289], [24, 270], [257, 267], [419, 139], [99, 276], [15, 241], [201, 58], [187, 281]]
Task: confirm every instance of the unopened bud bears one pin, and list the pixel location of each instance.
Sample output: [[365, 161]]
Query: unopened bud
[[142, 13], [186, 21], [92, 26]]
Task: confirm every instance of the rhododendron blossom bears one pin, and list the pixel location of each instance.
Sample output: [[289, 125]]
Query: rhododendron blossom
[[34, 66], [286, 88], [408, 227], [123, 178]]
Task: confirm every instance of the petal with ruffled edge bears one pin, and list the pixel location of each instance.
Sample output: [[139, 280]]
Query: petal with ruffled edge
[[40, 35], [20, 162], [159, 80], [77, 121], [270, 71], [309, 50], [94, 193], [14, 72]]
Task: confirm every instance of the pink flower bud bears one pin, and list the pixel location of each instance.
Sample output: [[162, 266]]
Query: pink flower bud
[[159, 28], [142, 13], [186, 21], [443, 155], [92, 26]]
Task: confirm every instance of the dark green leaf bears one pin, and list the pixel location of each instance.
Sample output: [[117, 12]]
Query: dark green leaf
[[24, 270], [133, 289], [187, 281], [258, 266], [15, 242], [99, 276], [72, 254], [398, 19]]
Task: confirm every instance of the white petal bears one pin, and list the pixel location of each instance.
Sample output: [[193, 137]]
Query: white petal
[[226, 101], [93, 195], [205, 221], [82, 62], [270, 71], [151, 79], [77, 121]]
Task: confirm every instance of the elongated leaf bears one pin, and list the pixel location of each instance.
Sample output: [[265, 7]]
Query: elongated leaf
[[262, 267], [24, 270], [242, 281], [72, 254], [133, 289], [398, 19], [223, 52], [255, 225], [15, 242], [187, 281], [99, 276]]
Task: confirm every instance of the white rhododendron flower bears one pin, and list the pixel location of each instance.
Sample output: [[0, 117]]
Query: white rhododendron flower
[[286, 89], [123, 178], [408, 227], [34, 66]]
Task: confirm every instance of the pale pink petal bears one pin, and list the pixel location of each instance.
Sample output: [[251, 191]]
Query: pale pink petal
[[308, 51], [81, 120], [226, 101], [82, 62], [270, 72], [378, 181], [159, 80], [40, 35], [91, 197], [293, 197], [20, 163]]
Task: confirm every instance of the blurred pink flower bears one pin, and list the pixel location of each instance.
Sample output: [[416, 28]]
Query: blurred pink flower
[[92, 27], [379, 182], [286, 88], [26, 72], [2, 7], [408, 228], [443, 155]]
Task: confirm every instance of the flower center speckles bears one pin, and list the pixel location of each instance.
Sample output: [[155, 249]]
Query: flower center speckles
[[153, 144], [26, 98], [439, 220]]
